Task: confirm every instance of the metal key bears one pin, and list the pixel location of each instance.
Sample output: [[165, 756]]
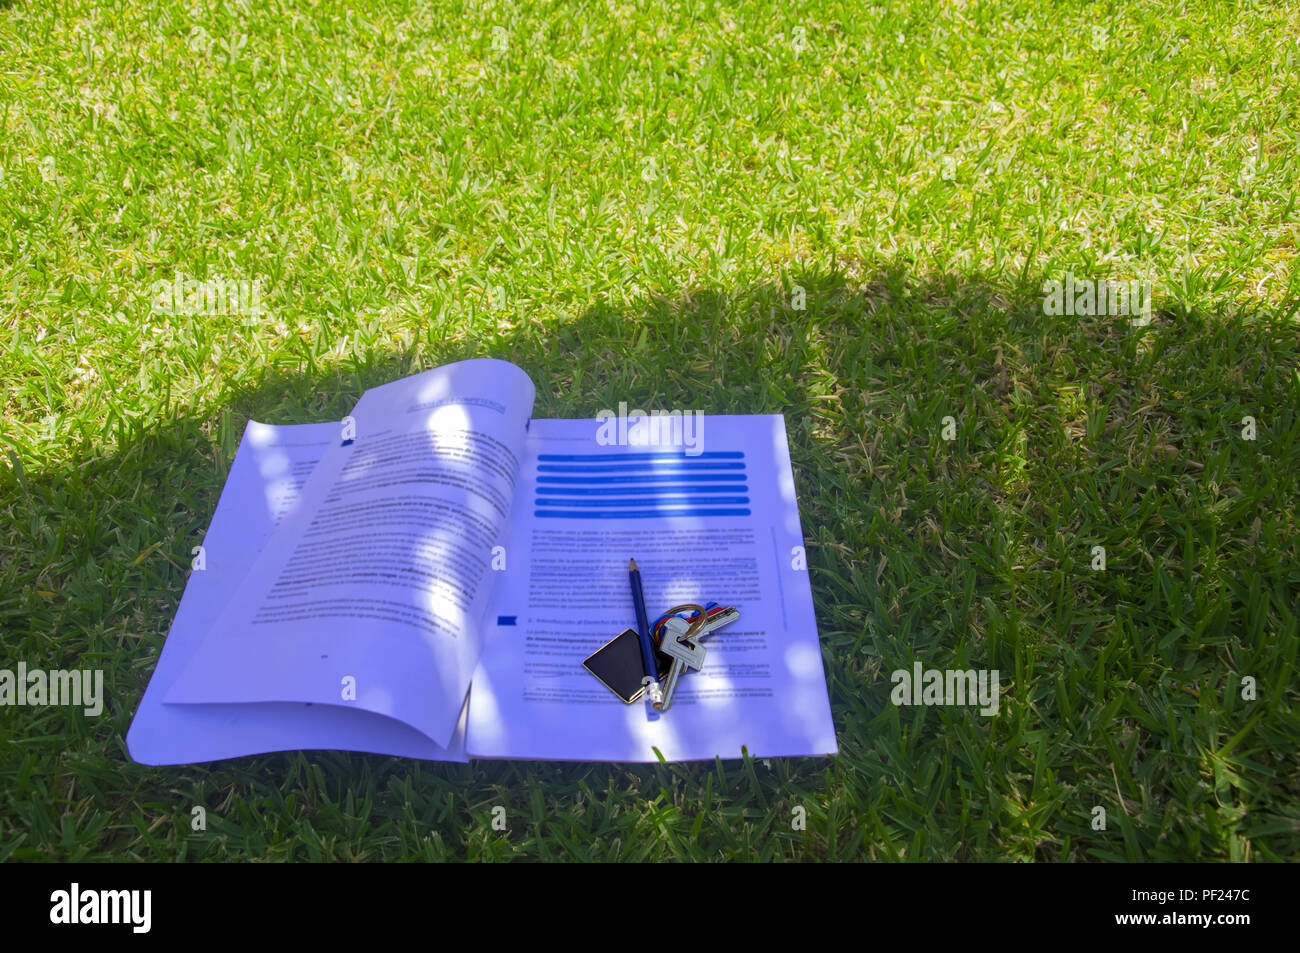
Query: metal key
[[685, 654], [716, 622]]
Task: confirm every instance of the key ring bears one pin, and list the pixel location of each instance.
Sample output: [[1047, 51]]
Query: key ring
[[702, 615], [656, 630]]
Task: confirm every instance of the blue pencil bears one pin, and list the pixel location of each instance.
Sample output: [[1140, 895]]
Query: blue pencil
[[643, 624]]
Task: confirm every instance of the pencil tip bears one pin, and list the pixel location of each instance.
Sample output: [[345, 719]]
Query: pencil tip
[[633, 565]]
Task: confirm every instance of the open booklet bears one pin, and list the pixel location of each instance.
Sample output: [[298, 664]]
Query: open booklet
[[425, 578]]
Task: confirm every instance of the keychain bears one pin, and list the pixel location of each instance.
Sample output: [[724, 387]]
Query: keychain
[[676, 636]]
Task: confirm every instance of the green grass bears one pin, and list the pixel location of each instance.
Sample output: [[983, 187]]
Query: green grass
[[622, 198]]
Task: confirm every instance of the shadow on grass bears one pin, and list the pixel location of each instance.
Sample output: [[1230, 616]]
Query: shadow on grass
[[958, 458]]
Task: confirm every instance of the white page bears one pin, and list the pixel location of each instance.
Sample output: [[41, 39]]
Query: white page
[[263, 485], [370, 593], [566, 591]]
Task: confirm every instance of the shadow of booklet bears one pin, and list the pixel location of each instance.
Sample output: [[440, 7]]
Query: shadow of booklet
[[425, 578]]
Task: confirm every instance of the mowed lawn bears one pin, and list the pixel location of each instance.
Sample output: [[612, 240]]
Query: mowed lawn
[[843, 212]]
